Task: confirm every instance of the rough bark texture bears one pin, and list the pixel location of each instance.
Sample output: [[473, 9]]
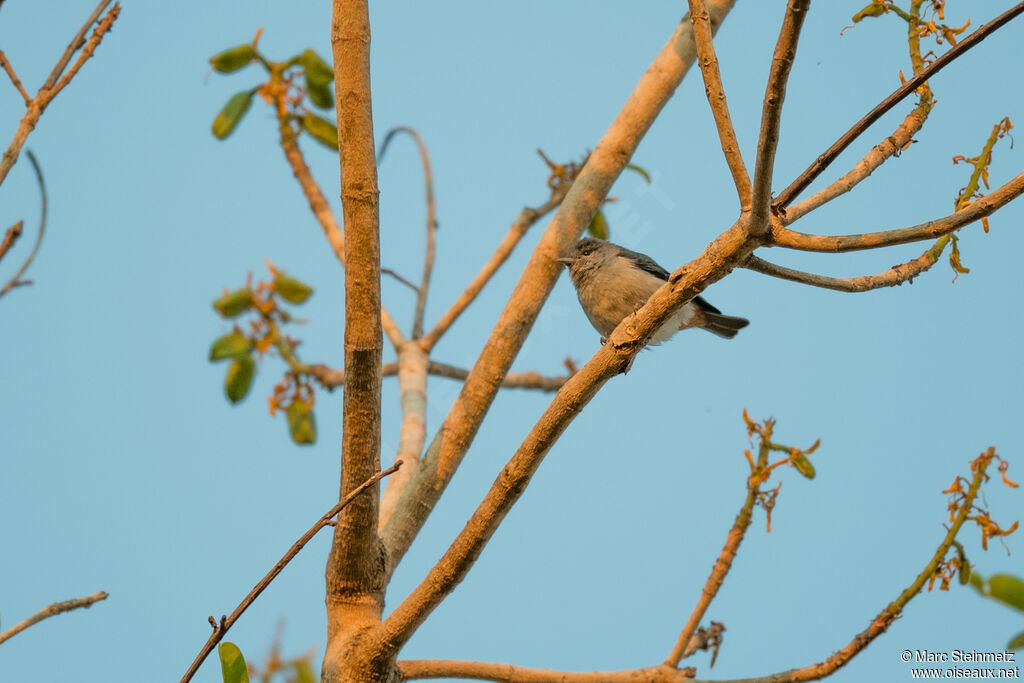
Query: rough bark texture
[[355, 568]]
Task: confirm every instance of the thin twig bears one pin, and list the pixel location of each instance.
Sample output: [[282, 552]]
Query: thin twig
[[388, 271], [14, 77], [978, 209], [428, 260], [896, 275], [220, 629], [715, 92], [825, 159], [16, 281], [10, 237], [412, 669], [49, 90], [76, 42], [527, 217], [332, 378], [771, 114], [53, 610], [885, 618], [718, 573]]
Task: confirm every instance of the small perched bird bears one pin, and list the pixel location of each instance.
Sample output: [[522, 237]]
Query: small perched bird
[[613, 282]]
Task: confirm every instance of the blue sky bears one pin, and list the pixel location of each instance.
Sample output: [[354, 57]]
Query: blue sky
[[125, 469]]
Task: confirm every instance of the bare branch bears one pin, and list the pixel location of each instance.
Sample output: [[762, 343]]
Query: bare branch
[[355, 567], [825, 159], [527, 217], [53, 610], [332, 378], [221, 629], [771, 114], [717, 576], [897, 275], [77, 42], [978, 209], [428, 261], [49, 91], [16, 281], [715, 92], [412, 669], [610, 156], [888, 615], [14, 77], [412, 383]]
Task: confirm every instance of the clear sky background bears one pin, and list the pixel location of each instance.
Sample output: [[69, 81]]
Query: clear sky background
[[123, 467]]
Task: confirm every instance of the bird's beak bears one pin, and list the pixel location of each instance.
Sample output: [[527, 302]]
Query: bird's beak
[[566, 260]]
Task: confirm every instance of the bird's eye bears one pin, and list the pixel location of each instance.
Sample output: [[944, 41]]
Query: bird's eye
[[587, 252]]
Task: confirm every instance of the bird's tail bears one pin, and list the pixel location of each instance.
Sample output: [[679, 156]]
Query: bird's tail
[[723, 325]]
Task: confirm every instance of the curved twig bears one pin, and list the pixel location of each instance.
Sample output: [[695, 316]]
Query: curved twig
[[53, 610], [16, 281], [428, 260], [220, 629]]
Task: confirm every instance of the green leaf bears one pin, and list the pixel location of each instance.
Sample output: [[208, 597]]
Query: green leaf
[[1017, 642], [304, 672], [1007, 589], [233, 59], [234, 303], [977, 582], [317, 70], [320, 94], [872, 10], [322, 130], [232, 663], [301, 423], [641, 171], [232, 113], [239, 378], [598, 226], [802, 464], [230, 346], [291, 290]]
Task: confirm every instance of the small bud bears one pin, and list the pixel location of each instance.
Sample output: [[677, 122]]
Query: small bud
[[301, 423], [233, 59], [802, 464]]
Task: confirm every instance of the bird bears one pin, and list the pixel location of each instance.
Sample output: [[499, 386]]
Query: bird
[[613, 282]]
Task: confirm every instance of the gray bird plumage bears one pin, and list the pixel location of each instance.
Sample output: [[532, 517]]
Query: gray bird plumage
[[613, 282]]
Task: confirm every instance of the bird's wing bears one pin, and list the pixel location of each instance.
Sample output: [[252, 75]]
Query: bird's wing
[[645, 262]]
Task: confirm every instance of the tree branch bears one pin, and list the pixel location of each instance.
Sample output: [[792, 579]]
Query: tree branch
[[14, 77], [428, 260], [509, 673], [221, 629], [412, 385], [783, 237], [771, 114], [53, 610], [355, 568], [527, 217], [715, 92], [51, 87], [897, 275], [10, 237], [15, 230], [881, 622], [825, 159], [581, 203], [331, 378]]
